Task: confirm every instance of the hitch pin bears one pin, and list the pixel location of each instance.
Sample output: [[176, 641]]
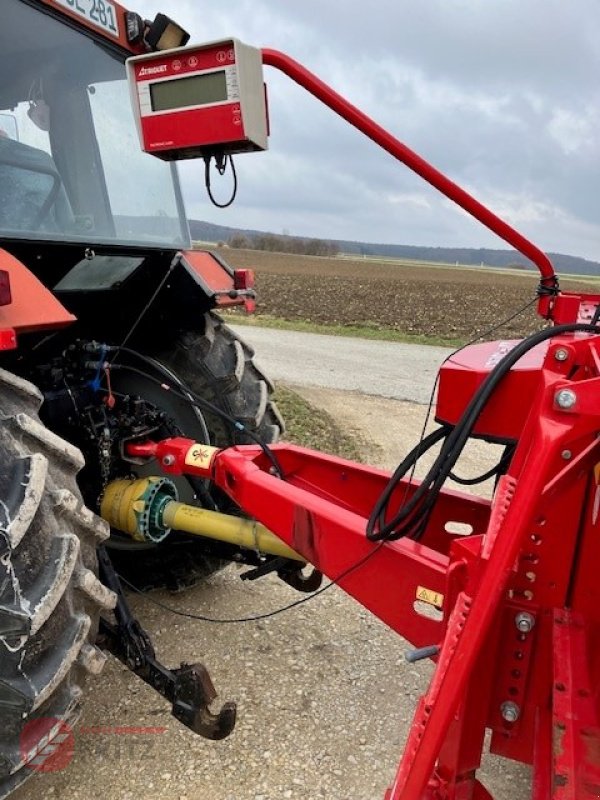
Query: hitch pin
[[412, 656]]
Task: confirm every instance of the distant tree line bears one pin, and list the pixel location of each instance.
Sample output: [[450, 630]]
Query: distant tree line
[[284, 244]]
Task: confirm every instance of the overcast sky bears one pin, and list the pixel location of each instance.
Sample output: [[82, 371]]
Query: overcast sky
[[502, 95]]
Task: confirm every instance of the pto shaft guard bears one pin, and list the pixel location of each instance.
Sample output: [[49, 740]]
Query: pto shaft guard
[[147, 510]]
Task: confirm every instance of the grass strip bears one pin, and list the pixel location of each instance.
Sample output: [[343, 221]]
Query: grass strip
[[314, 428], [364, 331]]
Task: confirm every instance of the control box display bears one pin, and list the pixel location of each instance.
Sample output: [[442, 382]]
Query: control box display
[[199, 100]]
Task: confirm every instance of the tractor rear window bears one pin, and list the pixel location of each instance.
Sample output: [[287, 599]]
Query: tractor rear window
[[71, 167]]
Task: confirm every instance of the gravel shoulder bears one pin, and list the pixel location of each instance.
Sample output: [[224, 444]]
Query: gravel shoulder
[[386, 369], [325, 695]]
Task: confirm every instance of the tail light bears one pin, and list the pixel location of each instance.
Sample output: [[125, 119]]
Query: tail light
[[5, 294], [243, 279]]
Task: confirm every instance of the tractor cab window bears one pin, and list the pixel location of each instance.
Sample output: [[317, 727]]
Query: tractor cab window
[[71, 167]]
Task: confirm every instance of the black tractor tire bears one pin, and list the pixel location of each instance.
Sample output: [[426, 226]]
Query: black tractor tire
[[50, 595], [220, 367]]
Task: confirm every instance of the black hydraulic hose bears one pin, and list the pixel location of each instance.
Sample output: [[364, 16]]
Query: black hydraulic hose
[[499, 468], [184, 393], [173, 378], [408, 463], [411, 517], [199, 402]]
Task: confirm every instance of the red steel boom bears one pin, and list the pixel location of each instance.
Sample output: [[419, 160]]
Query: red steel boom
[[514, 620]]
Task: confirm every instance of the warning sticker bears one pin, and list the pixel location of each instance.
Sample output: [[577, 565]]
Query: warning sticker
[[429, 596], [201, 456]]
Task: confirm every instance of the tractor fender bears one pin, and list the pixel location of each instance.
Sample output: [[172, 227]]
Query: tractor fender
[[31, 306], [218, 280]]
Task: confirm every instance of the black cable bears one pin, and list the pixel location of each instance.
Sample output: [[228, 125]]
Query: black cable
[[198, 484], [395, 480], [491, 473], [191, 396], [199, 402], [185, 393], [411, 519], [170, 376], [408, 463], [147, 306], [221, 170], [258, 617]]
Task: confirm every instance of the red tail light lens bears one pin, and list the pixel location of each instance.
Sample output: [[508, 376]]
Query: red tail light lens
[[243, 279], [5, 294]]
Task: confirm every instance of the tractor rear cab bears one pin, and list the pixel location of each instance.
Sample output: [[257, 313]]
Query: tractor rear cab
[[95, 245], [80, 205], [95, 241]]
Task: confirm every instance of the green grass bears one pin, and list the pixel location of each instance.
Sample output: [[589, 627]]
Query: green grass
[[312, 427], [364, 331]]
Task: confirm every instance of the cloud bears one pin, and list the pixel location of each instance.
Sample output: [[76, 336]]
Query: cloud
[[500, 94]]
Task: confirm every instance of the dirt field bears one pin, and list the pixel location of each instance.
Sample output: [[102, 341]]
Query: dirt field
[[444, 303]]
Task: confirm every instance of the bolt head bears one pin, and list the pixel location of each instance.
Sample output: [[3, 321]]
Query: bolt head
[[524, 622], [168, 461], [566, 398], [566, 455], [510, 711], [561, 354]]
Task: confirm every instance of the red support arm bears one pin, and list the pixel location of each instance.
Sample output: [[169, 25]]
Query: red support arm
[[413, 161]]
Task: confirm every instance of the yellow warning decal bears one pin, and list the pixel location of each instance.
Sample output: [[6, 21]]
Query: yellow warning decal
[[201, 456], [429, 596]]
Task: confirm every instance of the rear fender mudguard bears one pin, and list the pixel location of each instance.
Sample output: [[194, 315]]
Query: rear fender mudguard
[[33, 307], [214, 276]]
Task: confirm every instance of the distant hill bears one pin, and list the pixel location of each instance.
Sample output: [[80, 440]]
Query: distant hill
[[564, 264]]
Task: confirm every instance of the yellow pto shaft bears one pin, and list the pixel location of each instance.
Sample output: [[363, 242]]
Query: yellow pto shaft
[[147, 509], [226, 528]]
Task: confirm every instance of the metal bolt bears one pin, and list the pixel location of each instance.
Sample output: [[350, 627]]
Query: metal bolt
[[565, 398], [510, 711], [525, 621], [566, 454], [168, 461], [561, 354]]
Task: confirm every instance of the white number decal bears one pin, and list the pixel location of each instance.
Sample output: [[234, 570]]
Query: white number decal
[[101, 13]]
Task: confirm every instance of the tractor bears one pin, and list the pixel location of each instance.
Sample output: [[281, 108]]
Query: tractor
[[95, 247], [122, 389]]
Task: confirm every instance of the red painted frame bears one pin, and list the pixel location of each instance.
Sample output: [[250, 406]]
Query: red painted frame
[[534, 549]]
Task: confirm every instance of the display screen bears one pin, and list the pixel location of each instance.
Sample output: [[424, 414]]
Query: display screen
[[197, 90]]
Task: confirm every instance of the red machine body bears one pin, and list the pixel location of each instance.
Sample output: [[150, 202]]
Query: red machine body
[[519, 599], [28, 305], [197, 100], [514, 603]]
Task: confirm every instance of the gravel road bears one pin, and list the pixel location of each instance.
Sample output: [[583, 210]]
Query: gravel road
[[325, 696], [387, 369]]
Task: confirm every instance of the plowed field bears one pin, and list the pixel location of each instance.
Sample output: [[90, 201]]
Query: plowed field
[[441, 302]]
